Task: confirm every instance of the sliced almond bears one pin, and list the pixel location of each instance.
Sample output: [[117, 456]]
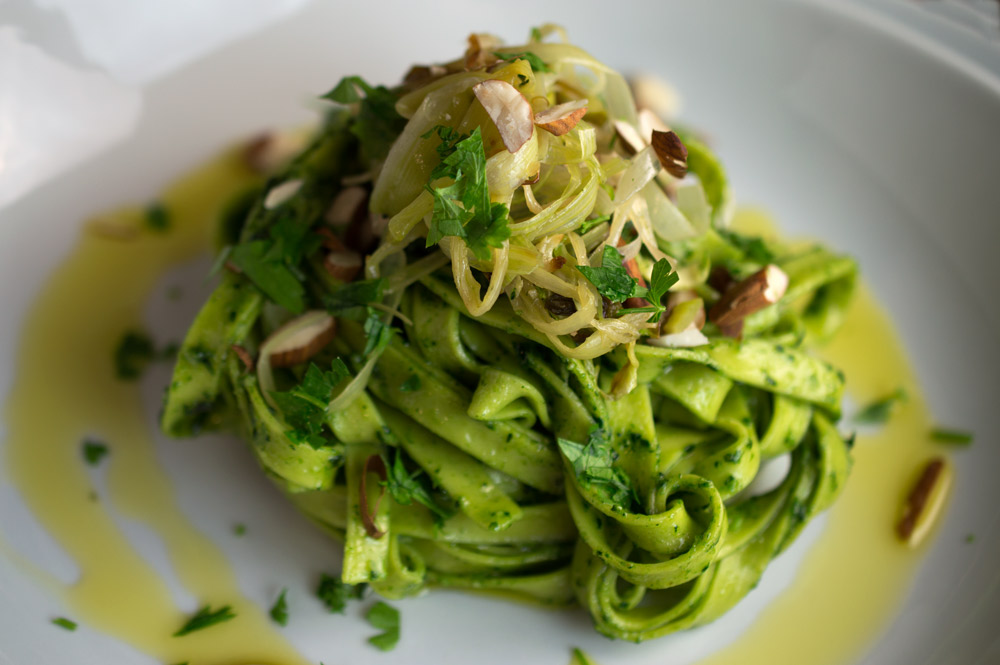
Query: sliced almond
[[924, 503], [649, 122], [300, 339], [479, 52], [421, 75], [561, 118], [689, 337], [655, 94], [243, 355], [269, 151], [281, 194], [761, 289], [350, 205], [671, 152], [509, 110], [343, 265], [630, 138]]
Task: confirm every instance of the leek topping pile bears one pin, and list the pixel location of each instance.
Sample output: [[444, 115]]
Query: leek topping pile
[[489, 328]]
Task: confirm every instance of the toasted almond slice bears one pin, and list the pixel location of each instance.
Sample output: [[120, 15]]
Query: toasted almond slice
[[561, 118], [421, 75], [269, 151], [924, 503], [671, 151], [761, 289], [655, 94], [509, 110], [300, 339], [688, 337], [479, 53], [631, 139], [344, 264], [648, 122], [350, 205], [281, 194]]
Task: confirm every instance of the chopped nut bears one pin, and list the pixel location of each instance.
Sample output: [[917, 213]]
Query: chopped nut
[[688, 337], [561, 118], [343, 265], [671, 152], [630, 138], [648, 122], [479, 53], [301, 338], [924, 503], [350, 205], [281, 194], [655, 94], [509, 110], [421, 75], [761, 289], [269, 151], [555, 263]]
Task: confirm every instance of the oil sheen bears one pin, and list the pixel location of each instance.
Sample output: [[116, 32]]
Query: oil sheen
[[818, 620]]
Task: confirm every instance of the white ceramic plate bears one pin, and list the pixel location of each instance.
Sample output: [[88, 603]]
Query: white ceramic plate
[[842, 119]]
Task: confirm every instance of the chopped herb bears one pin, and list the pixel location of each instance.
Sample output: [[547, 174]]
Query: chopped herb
[[591, 223], [272, 264], [379, 333], [157, 217], [205, 618], [970, 538], [536, 63], [279, 611], [353, 297], [239, 529], [377, 124], [304, 406], [536, 34], [94, 451], [463, 208], [752, 247], [614, 282], [385, 618], [580, 658], [411, 385], [220, 261], [133, 353], [64, 623], [334, 593], [952, 437], [593, 465], [405, 488], [878, 412]]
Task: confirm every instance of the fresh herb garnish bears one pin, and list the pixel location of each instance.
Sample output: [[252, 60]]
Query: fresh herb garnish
[[463, 208], [591, 223], [411, 385], [378, 332], [385, 618], [133, 353], [878, 412], [64, 623], [536, 63], [94, 451], [971, 538], [581, 658], [279, 611], [355, 296], [157, 217], [614, 282], [752, 247], [304, 406], [334, 593], [377, 124], [593, 464], [239, 529], [272, 264], [405, 488], [952, 437], [205, 618]]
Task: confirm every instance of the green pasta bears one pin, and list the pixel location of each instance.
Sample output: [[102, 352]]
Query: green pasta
[[525, 354]]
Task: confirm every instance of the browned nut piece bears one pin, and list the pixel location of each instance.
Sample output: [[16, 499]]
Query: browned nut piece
[[509, 110], [349, 206], [924, 503], [343, 264], [302, 338], [561, 118], [761, 289], [671, 152]]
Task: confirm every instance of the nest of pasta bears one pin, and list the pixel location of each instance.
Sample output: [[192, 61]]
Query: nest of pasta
[[491, 329]]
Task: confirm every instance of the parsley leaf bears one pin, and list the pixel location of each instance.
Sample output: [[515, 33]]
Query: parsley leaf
[[377, 124], [94, 451], [463, 208], [133, 353], [385, 618], [157, 217], [350, 297], [593, 464], [611, 278], [205, 618], [951, 436], [536, 63], [878, 412], [411, 385], [279, 611], [591, 223], [304, 406], [405, 488], [378, 331], [272, 265], [64, 623], [752, 247], [334, 593]]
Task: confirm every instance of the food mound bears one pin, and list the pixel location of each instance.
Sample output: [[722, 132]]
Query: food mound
[[491, 330]]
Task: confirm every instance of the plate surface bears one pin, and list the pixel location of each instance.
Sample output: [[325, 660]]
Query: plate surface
[[838, 119]]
